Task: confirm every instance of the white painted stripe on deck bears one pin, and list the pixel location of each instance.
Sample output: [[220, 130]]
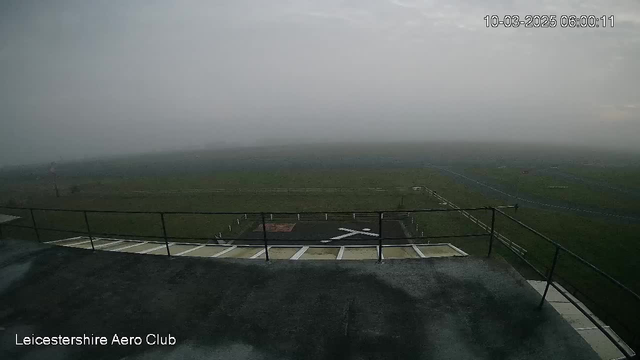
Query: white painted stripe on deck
[[300, 252], [128, 246], [592, 327], [223, 251], [78, 243], [458, 250], [259, 253], [340, 253], [154, 249], [57, 241], [415, 248], [107, 244], [190, 250]]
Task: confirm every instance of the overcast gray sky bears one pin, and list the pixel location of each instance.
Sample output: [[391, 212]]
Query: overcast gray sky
[[85, 78]]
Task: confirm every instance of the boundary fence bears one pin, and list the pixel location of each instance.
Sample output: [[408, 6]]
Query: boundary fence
[[629, 335]]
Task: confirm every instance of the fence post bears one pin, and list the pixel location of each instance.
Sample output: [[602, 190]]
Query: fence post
[[164, 232], [379, 237], [264, 237], [35, 226], [493, 223], [553, 266], [86, 221]]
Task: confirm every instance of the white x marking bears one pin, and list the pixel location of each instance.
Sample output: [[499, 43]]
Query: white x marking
[[350, 232]]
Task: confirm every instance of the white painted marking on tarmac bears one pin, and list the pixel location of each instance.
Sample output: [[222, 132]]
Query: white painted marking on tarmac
[[57, 241], [260, 253], [366, 229], [350, 232], [418, 251], [592, 328], [78, 243], [458, 250], [300, 252], [128, 246], [190, 250], [154, 249], [223, 252], [107, 244], [340, 253]]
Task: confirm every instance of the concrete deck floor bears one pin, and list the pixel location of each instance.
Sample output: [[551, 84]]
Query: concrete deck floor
[[592, 335], [440, 308]]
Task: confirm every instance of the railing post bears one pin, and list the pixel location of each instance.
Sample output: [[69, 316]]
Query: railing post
[[164, 233], [35, 226], [264, 237], [493, 223], [379, 237], [86, 221], [553, 266]]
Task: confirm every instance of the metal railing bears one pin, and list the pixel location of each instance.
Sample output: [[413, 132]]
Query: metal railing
[[265, 218], [631, 336]]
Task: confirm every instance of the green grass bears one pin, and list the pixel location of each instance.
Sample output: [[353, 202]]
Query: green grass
[[626, 177], [537, 184]]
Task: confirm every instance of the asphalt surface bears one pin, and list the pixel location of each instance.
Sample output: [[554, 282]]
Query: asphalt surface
[[455, 308], [314, 232]]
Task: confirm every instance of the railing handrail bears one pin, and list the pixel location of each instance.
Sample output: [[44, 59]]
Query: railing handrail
[[255, 212], [585, 262]]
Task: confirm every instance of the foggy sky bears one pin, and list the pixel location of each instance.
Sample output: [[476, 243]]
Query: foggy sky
[[86, 78]]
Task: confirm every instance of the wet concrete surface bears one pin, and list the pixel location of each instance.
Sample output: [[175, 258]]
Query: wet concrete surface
[[443, 308]]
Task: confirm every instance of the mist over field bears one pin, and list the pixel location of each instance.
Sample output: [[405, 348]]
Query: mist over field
[[84, 79]]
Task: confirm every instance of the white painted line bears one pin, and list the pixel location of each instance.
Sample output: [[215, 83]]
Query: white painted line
[[592, 328], [128, 246], [56, 241], [340, 253], [106, 238], [78, 243], [153, 249], [259, 253], [190, 250], [415, 248], [300, 252], [223, 251], [107, 244], [458, 250], [349, 233]]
